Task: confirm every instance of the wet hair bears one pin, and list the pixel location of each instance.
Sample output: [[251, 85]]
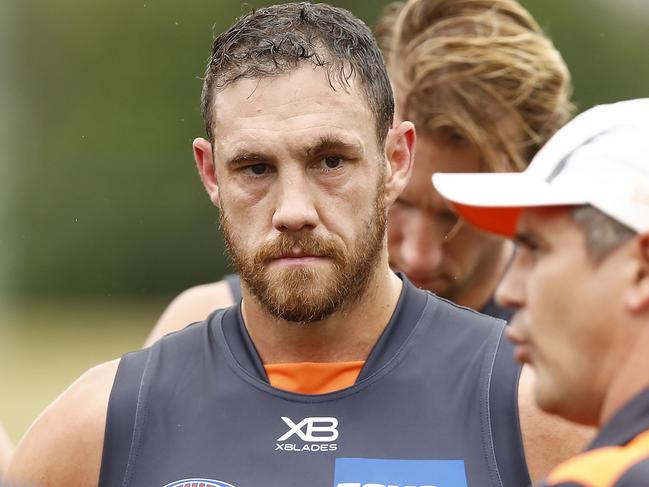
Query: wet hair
[[602, 233], [278, 39], [480, 72]]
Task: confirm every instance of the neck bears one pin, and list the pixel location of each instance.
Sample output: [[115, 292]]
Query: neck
[[630, 379], [477, 296], [345, 335]]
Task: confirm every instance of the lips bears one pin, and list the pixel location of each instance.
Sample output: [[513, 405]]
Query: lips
[[522, 352], [298, 258], [296, 253]]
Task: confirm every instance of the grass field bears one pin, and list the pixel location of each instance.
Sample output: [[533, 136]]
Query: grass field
[[45, 346]]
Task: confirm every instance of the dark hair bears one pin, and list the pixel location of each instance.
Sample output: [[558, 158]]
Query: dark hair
[[275, 40], [602, 233]]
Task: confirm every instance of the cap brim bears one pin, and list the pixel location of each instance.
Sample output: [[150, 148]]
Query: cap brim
[[494, 201]]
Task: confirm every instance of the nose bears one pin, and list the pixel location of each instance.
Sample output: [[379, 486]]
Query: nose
[[510, 293], [295, 208], [421, 250]]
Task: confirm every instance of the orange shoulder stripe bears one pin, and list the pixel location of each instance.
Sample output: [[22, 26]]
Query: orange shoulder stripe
[[313, 377], [604, 466]]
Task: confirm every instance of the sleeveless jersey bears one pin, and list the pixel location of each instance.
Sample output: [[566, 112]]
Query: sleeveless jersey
[[434, 405], [617, 457]]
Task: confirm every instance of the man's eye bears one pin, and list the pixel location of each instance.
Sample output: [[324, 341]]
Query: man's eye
[[333, 162], [258, 169], [527, 247]]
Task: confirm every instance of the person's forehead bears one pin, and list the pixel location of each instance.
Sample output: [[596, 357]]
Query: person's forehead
[[509, 127], [555, 221], [304, 91]]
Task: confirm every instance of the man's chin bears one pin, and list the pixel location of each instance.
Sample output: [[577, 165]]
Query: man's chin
[[305, 307]]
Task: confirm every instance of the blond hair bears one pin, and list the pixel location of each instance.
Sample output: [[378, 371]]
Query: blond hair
[[480, 71]]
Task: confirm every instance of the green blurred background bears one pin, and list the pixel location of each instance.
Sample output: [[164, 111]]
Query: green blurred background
[[102, 216]]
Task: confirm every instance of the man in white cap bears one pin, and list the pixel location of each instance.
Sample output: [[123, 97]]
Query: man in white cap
[[580, 281]]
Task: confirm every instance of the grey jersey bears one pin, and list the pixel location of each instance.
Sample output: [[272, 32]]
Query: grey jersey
[[434, 405]]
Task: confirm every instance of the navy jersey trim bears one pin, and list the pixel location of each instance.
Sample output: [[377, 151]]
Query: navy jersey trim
[[635, 476], [631, 420], [492, 309], [123, 434], [404, 319], [506, 428], [234, 283], [224, 327], [485, 410]]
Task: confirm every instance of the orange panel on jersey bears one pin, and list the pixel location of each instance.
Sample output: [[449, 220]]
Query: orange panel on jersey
[[602, 467], [313, 377]]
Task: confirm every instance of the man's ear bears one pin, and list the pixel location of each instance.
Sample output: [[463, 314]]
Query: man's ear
[[204, 158], [400, 157], [637, 300]]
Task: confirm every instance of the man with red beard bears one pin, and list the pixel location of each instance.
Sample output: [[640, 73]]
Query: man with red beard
[[332, 369], [486, 88]]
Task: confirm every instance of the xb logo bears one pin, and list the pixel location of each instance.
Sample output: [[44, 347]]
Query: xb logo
[[316, 429]]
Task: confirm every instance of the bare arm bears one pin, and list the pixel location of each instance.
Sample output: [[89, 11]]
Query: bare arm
[[64, 445], [547, 439], [6, 449], [192, 305]]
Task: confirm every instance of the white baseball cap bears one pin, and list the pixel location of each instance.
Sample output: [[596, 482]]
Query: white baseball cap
[[600, 158]]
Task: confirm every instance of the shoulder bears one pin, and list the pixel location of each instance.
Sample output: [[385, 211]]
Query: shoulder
[[548, 440], [469, 317], [193, 304], [70, 429]]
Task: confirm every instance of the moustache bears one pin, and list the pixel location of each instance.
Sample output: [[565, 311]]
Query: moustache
[[286, 245]]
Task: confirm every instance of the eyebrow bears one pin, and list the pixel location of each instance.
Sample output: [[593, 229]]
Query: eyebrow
[[246, 157], [328, 143]]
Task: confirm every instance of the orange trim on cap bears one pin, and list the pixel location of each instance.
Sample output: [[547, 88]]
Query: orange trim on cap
[[604, 466], [498, 220], [314, 377]]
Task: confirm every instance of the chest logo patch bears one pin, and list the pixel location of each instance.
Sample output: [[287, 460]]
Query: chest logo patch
[[314, 434], [371, 472], [198, 483]]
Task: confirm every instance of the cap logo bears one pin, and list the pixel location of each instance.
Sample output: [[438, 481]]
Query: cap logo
[[561, 165]]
